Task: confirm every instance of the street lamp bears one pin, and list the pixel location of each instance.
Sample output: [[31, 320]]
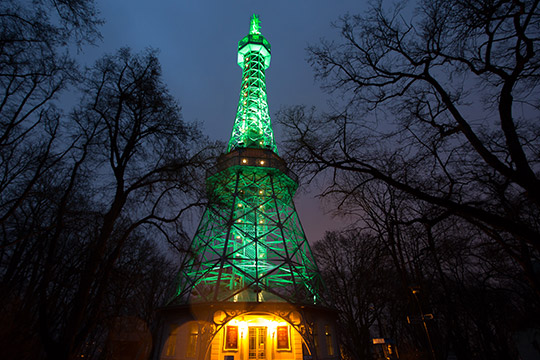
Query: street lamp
[[423, 317]]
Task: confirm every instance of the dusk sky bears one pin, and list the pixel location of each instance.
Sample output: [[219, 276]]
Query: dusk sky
[[198, 46]]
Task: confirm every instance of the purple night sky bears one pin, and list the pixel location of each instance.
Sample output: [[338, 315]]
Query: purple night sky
[[198, 43]]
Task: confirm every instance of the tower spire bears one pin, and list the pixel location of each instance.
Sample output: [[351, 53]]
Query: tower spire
[[255, 26], [252, 127]]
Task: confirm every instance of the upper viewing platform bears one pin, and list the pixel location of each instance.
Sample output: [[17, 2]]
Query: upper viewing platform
[[255, 158], [254, 42]]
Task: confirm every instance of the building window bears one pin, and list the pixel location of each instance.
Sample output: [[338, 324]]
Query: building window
[[329, 345], [231, 338], [315, 334], [282, 335], [170, 347], [193, 336]]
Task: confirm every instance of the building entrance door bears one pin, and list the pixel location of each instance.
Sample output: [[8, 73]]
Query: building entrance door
[[257, 342]]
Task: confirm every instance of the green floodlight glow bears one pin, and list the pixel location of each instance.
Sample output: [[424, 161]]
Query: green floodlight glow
[[250, 244], [252, 127]]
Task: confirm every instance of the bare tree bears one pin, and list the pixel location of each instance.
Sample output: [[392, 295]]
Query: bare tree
[[355, 267], [80, 193], [35, 68], [440, 104], [132, 171], [147, 158], [429, 280]]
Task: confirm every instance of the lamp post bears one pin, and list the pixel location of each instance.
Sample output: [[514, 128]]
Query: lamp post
[[423, 318]]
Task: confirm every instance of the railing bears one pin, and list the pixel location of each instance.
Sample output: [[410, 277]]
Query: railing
[[254, 38], [251, 157]]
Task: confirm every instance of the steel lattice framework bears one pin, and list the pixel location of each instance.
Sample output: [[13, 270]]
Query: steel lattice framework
[[252, 127], [250, 245]]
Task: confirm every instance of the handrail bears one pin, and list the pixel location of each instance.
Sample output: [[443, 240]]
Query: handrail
[[251, 157]]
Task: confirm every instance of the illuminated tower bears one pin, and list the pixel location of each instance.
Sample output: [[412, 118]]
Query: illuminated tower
[[250, 281], [250, 245]]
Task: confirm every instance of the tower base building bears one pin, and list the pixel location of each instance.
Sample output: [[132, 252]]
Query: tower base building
[[269, 331]]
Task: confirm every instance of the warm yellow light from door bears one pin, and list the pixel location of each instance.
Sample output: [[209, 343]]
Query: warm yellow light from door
[[271, 324]]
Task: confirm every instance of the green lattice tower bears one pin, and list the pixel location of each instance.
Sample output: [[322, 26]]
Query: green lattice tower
[[250, 245]]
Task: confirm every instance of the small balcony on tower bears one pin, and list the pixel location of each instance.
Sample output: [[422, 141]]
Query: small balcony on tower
[[253, 157]]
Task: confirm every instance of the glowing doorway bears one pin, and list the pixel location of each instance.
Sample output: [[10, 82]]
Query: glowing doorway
[[257, 342]]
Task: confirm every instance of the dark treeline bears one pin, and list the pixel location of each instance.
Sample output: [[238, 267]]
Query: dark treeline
[[408, 261], [433, 147], [86, 193]]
